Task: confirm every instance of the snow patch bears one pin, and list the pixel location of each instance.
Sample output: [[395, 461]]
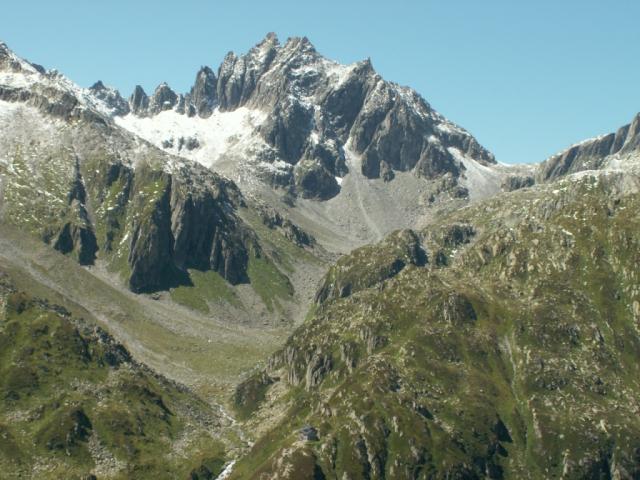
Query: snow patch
[[8, 109], [210, 137], [227, 471], [279, 166], [17, 79]]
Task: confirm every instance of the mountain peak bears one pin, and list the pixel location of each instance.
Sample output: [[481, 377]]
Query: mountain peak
[[206, 71], [313, 110], [164, 86], [111, 98], [5, 51], [163, 98], [98, 86], [203, 94], [300, 44], [139, 101], [270, 39]]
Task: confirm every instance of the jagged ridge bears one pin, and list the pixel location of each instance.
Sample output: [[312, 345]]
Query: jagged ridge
[[315, 108]]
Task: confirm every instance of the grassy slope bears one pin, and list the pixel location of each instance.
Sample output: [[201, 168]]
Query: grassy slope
[[207, 288], [517, 361], [72, 402], [204, 352]]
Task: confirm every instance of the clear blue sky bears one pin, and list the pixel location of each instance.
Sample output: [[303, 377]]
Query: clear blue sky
[[527, 78]]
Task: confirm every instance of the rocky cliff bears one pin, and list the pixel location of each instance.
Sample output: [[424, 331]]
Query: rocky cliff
[[593, 154], [91, 189], [313, 110]]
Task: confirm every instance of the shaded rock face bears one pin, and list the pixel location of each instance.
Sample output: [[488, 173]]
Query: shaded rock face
[[274, 220], [317, 109], [238, 76], [139, 101], [186, 228], [313, 180], [516, 182], [591, 154], [457, 310], [151, 250], [203, 96], [309, 434], [77, 235], [287, 129], [452, 236], [77, 239], [76, 428], [207, 237], [395, 130], [162, 99]]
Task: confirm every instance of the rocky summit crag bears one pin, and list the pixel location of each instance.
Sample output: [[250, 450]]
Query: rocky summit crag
[[306, 272], [313, 108], [308, 134]]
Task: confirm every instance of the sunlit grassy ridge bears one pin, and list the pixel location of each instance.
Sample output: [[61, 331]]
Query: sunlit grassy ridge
[[511, 354]]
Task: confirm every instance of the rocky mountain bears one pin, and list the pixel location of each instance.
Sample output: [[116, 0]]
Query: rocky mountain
[[607, 151], [308, 110], [306, 272], [214, 277], [92, 190], [312, 137]]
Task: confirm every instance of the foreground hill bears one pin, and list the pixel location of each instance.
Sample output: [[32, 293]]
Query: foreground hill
[[500, 342], [73, 402]]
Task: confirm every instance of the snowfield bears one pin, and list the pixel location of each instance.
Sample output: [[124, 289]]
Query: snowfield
[[214, 136]]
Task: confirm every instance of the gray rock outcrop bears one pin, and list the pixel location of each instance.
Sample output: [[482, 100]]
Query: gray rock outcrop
[[316, 110], [204, 95], [163, 98], [139, 101], [591, 154]]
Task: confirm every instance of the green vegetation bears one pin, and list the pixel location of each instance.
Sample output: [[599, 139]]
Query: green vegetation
[[287, 253], [35, 195], [514, 358], [72, 402], [207, 287], [268, 282], [371, 264]]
